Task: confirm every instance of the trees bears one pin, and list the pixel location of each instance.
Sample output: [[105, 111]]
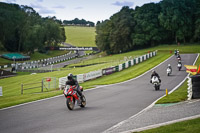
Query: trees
[[81, 22], [114, 35], [24, 30], [177, 16], [147, 30], [168, 21], [197, 21]]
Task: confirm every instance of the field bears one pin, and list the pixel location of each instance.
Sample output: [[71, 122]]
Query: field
[[80, 36], [12, 86]]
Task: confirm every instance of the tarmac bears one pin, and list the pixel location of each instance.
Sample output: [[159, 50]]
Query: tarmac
[[159, 115]]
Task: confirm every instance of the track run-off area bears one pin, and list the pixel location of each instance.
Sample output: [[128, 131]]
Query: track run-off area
[[106, 105]]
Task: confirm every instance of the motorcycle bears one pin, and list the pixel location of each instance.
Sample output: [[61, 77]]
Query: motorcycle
[[72, 97], [155, 81], [169, 71], [179, 66]]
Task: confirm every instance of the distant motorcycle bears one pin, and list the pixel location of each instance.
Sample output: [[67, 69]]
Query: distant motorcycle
[[179, 66], [155, 81], [72, 97], [169, 71]]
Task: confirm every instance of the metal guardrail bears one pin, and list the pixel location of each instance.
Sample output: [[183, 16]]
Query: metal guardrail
[[47, 83], [22, 86]]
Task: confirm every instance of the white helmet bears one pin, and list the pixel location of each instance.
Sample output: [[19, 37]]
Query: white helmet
[[169, 65]]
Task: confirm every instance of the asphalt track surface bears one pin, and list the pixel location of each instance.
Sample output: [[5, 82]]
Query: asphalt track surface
[[106, 105]]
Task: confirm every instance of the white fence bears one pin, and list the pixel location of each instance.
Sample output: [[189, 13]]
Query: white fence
[[95, 74]]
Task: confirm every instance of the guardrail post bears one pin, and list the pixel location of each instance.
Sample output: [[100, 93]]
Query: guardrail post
[[21, 88], [42, 86]]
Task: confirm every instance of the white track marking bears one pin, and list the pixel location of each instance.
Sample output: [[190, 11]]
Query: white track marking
[[161, 124]]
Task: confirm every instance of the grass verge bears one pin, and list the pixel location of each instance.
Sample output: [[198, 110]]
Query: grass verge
[[190, 126]]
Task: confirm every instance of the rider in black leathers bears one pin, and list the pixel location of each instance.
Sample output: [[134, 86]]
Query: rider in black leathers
[[72, 81], [155, 74]]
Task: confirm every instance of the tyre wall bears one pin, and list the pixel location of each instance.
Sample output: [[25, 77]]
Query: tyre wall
[[195, 86]]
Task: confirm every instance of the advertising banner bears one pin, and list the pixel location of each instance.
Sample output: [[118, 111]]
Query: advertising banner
[[108, 71], [80, 78], [92, 75]]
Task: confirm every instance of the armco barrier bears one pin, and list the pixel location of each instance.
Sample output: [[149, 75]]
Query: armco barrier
[[95, 74]]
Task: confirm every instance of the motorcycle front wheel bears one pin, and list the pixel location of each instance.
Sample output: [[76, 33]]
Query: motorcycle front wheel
[[70, 104]]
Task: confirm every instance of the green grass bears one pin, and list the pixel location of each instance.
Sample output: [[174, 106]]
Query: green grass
[[80, 36], [178, 95], [190, 126], [12, 86], [49, 54]]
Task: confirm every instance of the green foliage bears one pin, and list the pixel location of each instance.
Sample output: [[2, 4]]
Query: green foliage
[[114, 35], [147, 31], [23, 29], [177, 17], [166, 22], [81, 22]]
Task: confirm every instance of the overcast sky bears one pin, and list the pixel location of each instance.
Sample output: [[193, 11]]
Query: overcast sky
[[90, 10]]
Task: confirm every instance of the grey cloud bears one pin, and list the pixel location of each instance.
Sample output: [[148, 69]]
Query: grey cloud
[[10, 1], [61, 7], [36, 6], [46, 11], [39, 0], [79, 7], [42, 9], [125, 3]]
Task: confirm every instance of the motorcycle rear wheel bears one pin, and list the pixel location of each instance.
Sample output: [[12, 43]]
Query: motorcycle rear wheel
[[70, 104]]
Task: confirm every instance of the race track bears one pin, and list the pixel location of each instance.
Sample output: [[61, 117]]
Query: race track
[[106, 106]]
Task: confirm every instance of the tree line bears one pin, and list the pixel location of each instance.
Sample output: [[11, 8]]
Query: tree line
[[81, 22], [22, 29], [166, 22]]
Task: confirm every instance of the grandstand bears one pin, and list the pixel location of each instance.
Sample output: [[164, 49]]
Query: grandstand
[[15, 57]]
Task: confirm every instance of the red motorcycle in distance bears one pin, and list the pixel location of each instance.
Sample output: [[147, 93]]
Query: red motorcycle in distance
[[72, 97]]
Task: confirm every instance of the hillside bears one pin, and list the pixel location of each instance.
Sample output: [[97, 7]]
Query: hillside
[[80, 36]]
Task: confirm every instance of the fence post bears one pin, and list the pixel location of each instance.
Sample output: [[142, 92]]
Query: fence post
[[21, 88], [42, 86]]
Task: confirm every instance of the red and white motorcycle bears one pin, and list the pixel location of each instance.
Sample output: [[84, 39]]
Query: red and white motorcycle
[[72, 97]]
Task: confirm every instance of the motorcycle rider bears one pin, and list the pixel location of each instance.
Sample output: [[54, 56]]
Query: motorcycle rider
[[170, 67], [178, 56], [72, 82], [155, 74], [179, 62]]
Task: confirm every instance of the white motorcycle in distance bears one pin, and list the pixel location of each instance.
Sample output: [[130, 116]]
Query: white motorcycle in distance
[[179, 66], [169, 71], [155, 81]]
